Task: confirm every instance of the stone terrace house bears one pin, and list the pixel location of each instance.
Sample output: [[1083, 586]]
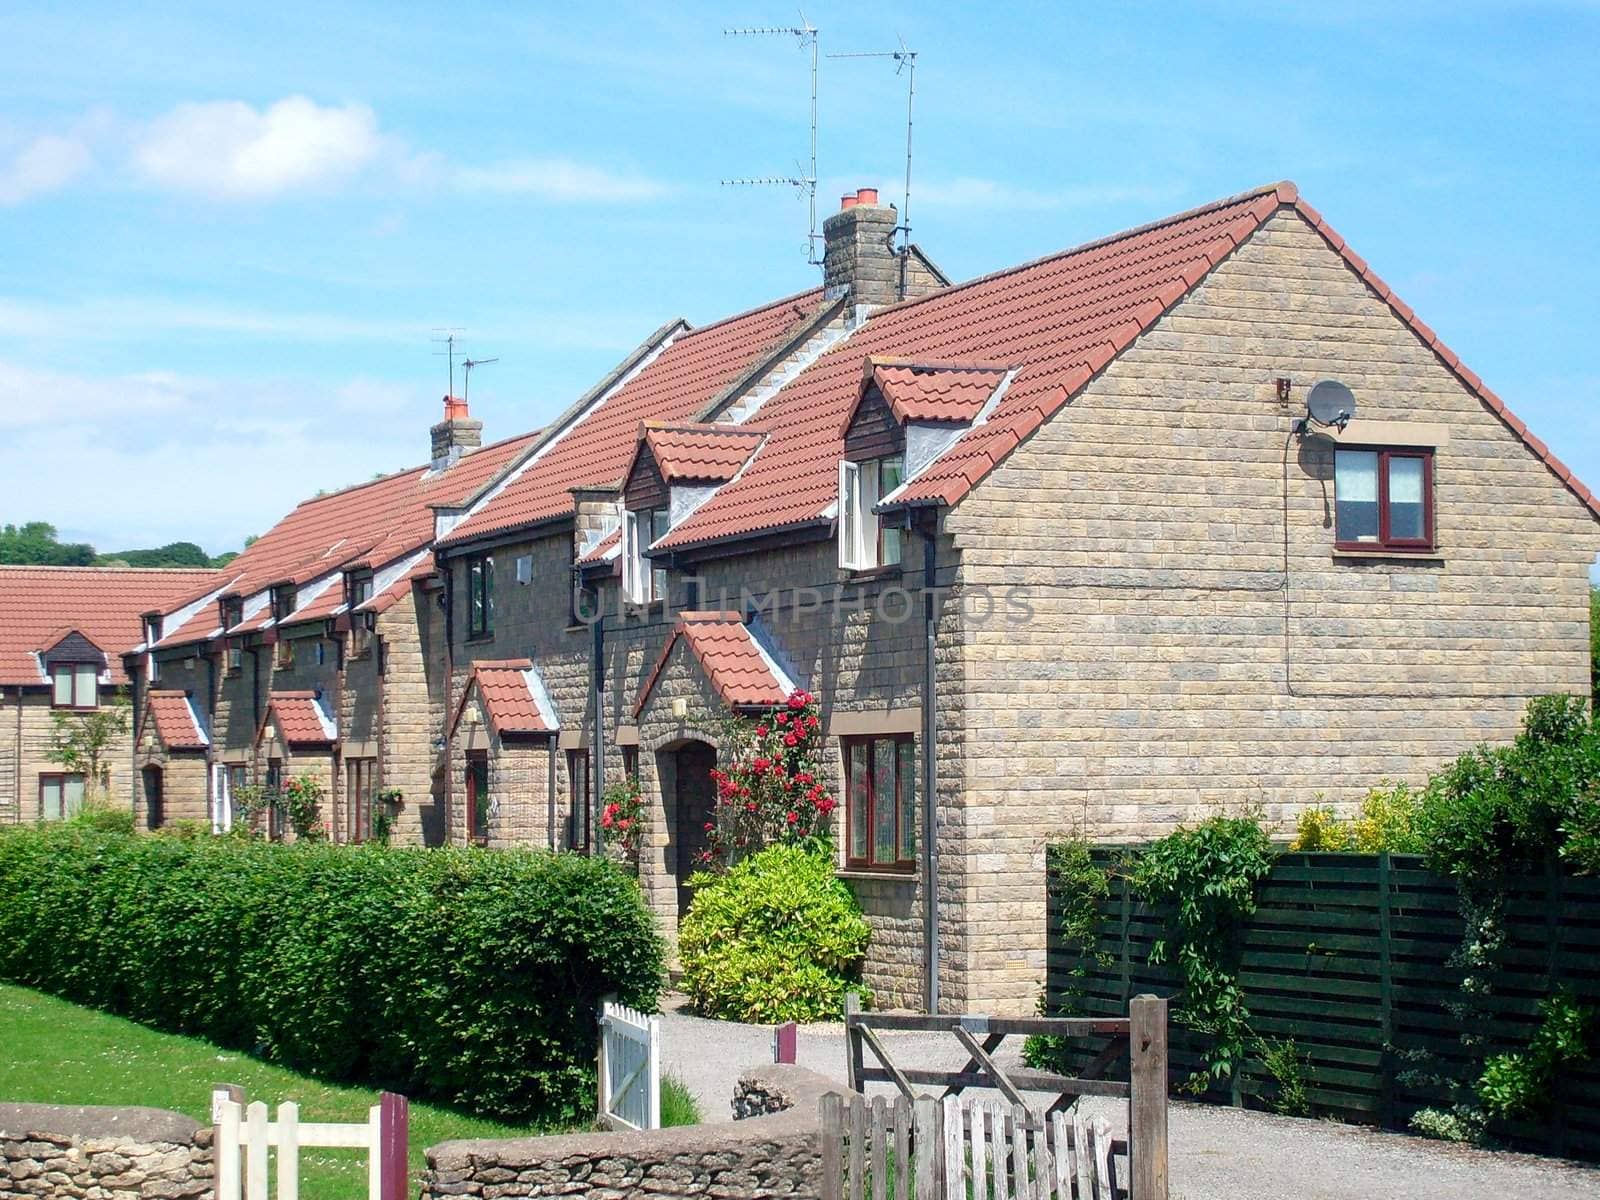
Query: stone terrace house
[[1054, 547], [316, 653], [62, 634]]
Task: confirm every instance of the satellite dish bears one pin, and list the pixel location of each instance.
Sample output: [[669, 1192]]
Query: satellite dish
[[1331, 403]]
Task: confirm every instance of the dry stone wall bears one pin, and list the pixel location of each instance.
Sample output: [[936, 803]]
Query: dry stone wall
[[771, 1149], [58, 1151]]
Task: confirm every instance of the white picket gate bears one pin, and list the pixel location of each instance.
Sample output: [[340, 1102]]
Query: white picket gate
[[243, 1136], [630, 1068]]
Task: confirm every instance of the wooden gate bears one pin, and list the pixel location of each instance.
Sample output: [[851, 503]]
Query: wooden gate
[[1141, 1036], [630, 1068], [243, 1137], [947, 1150]]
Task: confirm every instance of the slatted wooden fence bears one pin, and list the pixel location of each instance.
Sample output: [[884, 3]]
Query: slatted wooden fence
[[1348, 954], [947, 1150]]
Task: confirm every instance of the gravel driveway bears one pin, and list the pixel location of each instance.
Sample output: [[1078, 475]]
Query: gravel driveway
[[1215, 1153]]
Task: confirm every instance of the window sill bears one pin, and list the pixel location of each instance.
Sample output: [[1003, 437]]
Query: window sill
[[878, 874], [478, 638], [1393, 554], [868, 574]]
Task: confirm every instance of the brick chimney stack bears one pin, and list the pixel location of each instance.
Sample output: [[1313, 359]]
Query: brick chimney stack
[[456, 435], [858, 255]]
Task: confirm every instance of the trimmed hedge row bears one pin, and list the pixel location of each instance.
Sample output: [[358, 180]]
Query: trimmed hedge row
[[464, 976]]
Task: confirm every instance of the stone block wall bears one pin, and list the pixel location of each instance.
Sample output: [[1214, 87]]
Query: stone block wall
[[25, 729], [772, 1148], [65, 1153], [1196, 641]]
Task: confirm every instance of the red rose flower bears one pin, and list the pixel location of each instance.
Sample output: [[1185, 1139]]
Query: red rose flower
[[793, 817], [761, 731], [789, 739], [751, 806]]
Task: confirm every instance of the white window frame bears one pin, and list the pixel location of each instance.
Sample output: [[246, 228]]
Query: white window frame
[[852, 523], [222, 799], [633, 571]]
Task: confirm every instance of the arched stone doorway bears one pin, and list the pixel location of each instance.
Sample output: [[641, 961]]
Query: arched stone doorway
[[685, 772]]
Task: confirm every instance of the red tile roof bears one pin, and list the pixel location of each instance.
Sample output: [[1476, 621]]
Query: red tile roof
[[933, 391], [175, 721], [513, 697], [1060, 320], [369, 524], [700, 453], [675, 385], [742, 675], [39, 604], [300, 719]]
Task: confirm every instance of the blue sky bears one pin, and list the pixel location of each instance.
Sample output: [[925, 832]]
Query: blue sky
[[225, 238]]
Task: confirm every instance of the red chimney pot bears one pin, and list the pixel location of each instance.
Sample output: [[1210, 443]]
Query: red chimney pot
[[866, 195], [847, 201], [454, 409]]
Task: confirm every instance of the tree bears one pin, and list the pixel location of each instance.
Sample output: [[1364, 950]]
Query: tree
[[34, 544], [83, 742], [173, 554]]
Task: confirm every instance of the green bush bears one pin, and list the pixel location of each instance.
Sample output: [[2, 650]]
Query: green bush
[[776, 938], [458, 975]]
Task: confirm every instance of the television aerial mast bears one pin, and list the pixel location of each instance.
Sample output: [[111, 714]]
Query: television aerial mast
[[466, 376], [448, 337], [805, 35], [905, 59]]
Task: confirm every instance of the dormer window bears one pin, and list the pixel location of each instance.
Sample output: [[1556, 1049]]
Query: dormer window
[[74, 685], [283, 598], [867, 540], [358, 589], [642, 581], [232, 613]]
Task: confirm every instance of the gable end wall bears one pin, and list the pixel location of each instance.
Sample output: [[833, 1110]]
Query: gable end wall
[[1172, 667]]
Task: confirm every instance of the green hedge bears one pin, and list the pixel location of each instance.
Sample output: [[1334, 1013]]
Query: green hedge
[[464, 976]]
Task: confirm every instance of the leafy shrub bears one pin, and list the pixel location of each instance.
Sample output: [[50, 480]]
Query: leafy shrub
[[465, 976], [1520, 1082], [1207, 874], [1496, 811], [776, 938], [1387, 821], [1078, 886], [1320, 828]]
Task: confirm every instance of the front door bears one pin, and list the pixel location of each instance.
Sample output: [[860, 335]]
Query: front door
[[478, 796], [696, 799], [153, 810]]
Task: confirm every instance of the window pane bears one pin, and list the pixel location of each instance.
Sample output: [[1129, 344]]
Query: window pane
[[891, 547], [50, 799], [892, 471], [88, 687], [660, 523], [1405, 498], [72, 795], [1355, 490], [63, 685], [856, 753], [908, 800], [884, 840]]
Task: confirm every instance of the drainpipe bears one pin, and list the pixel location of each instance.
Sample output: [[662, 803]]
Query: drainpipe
[[211, 733], [597, 691], [17, 809], [448, 601], [930, 771], [550, 789]]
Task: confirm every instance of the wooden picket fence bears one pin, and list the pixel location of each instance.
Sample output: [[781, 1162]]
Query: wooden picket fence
[[929, 1149], [244, 1137], [629, 1068]]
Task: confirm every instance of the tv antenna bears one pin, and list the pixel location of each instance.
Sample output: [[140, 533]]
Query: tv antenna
[[466, 374], [805, 35], [905, 59], [448, 336]]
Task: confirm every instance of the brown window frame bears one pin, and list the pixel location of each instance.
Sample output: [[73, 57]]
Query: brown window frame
[[480, 579], [579, 799], [476, 808], [361, 782], [1385, 540], [283, 655], [71, 670], [905, 859], [59, 778]]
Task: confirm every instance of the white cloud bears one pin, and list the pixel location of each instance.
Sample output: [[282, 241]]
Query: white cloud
[[45, 164], [227, 148], [556, 179]]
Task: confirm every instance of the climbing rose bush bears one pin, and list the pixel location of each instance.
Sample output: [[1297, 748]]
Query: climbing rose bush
[[622, 819], [774, 788]]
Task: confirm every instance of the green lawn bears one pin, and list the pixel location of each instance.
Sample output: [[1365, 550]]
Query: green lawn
[[52, 1052]]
